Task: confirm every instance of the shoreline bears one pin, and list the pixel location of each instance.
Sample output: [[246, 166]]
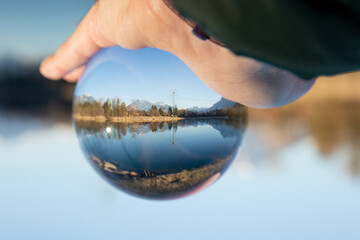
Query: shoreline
[[132, 119], [139, 119]]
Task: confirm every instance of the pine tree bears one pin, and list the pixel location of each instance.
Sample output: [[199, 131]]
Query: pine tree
[[113, 107], [118, 102], [176, 111], [123, 110], [107, 108], [154, 111], [170, 112]]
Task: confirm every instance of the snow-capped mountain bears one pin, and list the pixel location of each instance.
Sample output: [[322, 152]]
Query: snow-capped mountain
[[85, 98], [161, 105], [143, 104], [222, 104]]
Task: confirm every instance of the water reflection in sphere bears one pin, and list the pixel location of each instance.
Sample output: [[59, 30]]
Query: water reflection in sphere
[[150, 127]]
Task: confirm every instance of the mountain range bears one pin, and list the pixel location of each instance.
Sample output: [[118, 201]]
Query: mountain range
[[222, 104], [85, 98], [143, 104]]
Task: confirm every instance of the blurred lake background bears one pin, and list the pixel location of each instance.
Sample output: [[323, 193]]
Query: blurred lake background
[[296, 176]]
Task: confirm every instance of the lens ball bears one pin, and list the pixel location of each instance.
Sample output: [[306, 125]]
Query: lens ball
[[150, 127]]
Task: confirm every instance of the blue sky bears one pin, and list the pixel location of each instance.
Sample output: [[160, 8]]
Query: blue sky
[[150, 74], [33, 29]]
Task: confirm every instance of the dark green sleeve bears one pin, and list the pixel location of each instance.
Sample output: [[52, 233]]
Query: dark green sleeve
[[307, 37]]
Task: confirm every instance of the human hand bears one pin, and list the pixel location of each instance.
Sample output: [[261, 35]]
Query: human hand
[[135, 24]]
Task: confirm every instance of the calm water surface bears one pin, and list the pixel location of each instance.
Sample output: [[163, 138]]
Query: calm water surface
[[161, 159]]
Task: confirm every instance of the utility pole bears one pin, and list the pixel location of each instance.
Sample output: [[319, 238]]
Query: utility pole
[[173, 95]]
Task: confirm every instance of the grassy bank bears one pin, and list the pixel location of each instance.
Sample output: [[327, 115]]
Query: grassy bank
[[132, 119]]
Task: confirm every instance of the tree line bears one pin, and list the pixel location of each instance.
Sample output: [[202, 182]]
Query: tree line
[[117, 108]]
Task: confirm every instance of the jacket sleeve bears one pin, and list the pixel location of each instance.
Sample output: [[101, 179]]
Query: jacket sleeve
[[307, 37]]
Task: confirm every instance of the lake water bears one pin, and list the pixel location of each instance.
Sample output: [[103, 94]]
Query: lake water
[[296, 176], [161, 159]]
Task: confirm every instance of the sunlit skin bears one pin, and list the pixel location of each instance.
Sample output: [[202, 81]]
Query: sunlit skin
[[136, 24]]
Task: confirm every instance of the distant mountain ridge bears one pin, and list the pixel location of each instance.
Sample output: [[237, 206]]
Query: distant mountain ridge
[[143, 104], [222, 104], [85, 98]]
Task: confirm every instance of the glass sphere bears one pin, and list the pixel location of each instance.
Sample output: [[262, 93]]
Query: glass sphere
[[150, 127]]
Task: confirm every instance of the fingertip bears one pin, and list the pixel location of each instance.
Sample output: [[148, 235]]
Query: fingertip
[[50, 70]]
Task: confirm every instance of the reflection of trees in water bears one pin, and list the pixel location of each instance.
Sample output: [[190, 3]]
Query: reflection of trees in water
[[147, 179], [228, 127], [331, 124]]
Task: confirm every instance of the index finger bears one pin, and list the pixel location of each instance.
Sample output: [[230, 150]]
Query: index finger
[[79, 47]]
